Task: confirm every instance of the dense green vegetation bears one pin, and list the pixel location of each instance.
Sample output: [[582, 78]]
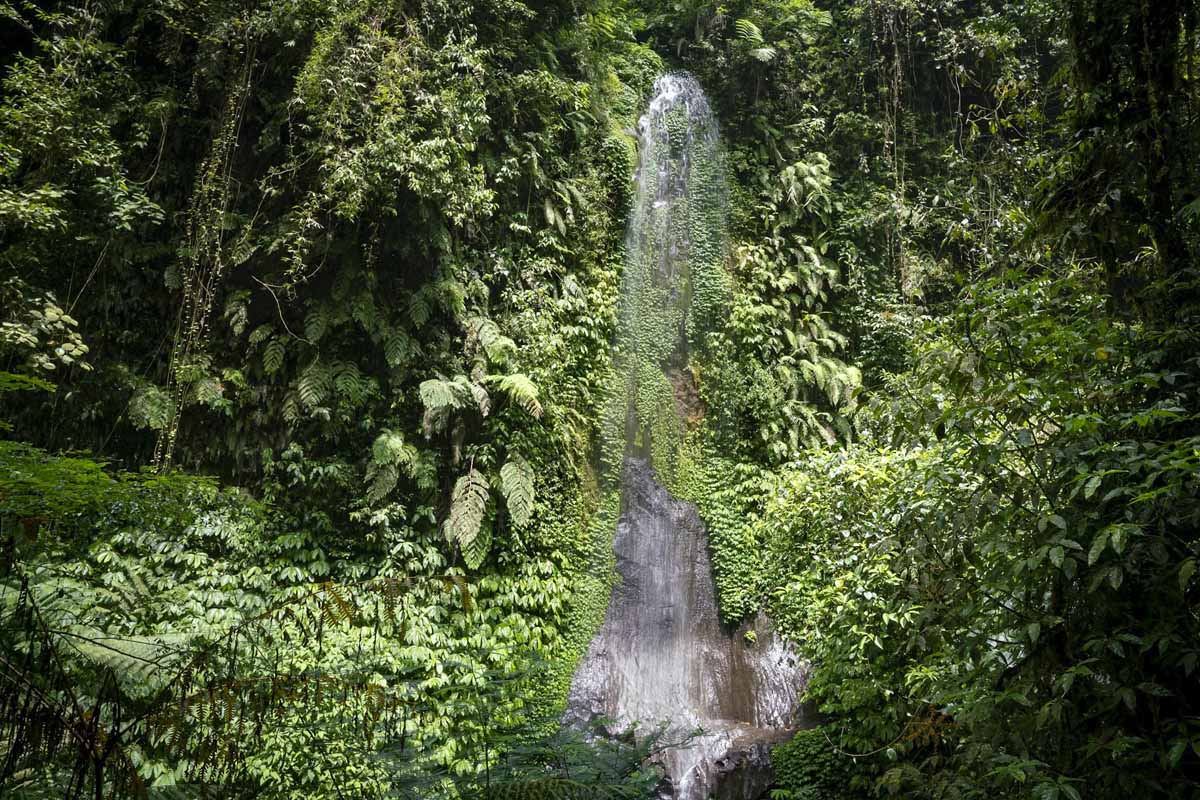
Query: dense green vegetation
[[307, 378]]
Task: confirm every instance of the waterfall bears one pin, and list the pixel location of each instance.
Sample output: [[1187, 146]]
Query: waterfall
[[662, 656]]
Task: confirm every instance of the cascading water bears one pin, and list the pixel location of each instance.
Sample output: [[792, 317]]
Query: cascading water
[[662, 656]]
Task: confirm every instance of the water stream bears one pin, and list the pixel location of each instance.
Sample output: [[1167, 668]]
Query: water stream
[[662, 656]]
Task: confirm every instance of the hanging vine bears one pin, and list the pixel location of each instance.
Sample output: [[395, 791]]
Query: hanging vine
[[204, 260]]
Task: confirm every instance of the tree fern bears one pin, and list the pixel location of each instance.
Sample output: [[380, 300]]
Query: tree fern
[[554, 217], [273, 355], [468, 502], [135, 659], [749, 33], [763, 54], [440, 397], [315, 384], [498, 347], [390, 448], [439, 393], [476, 549], [390, 455], [516, 484], [316, 322], [520, 390], [482, 398]]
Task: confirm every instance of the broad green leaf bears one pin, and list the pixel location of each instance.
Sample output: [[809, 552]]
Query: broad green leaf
[[1186, 570], [1115, 576], [1120, 536]]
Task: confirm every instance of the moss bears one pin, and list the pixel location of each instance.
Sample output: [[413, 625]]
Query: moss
[[593, 585], [809, 768], [617, 160], [674, 286], [727, 495]]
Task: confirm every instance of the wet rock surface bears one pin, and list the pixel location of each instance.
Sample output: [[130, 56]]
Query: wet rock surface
[[662, 656]]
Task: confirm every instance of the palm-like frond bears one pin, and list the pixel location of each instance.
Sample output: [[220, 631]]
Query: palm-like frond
[[468, 502], [516, 483], [520, 390]]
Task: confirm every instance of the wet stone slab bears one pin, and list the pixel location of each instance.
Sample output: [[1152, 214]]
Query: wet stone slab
[[662, 656]]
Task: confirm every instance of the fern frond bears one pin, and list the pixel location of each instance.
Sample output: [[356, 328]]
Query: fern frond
[[315, 383], [335, 604], [475, 551], [459, 584], [353, 388], [383, 480], [141, 658], [520, 390], [365, 312], [261, 333], [482, 398], [468, 502], [554, 217], [748, 32], [516, 484], [291, 408], [418, 309], [390, 448], [273, 355], [316, 323], [438, 393], [395, 349], [150, 407], [389, 455], [451, 296], [498, 347], [390, 589], [440, 397]]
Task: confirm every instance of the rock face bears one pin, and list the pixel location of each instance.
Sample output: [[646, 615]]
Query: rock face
[[745, 771], [663, 657]]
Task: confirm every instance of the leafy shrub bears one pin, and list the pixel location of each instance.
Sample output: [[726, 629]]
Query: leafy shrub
[[808, 767], [1005, 596]]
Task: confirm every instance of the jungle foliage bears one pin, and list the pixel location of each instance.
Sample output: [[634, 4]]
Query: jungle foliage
[[991, 210], [306, 324], [353, 263]]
